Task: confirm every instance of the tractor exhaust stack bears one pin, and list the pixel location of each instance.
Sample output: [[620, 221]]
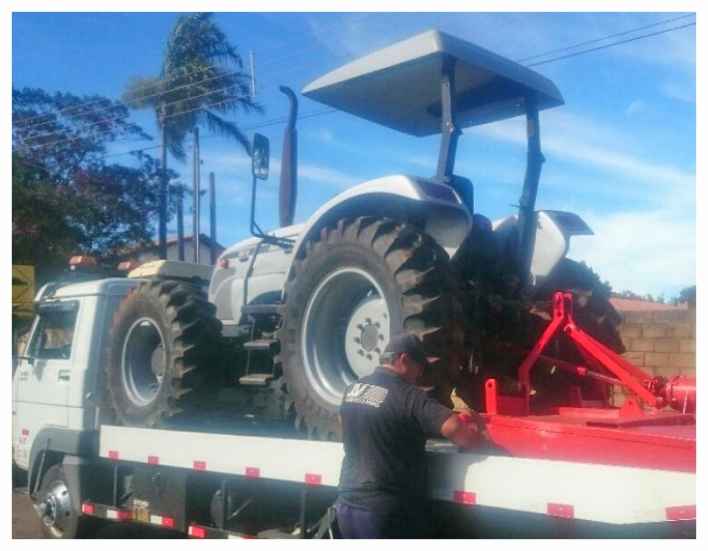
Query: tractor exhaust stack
[[288, 164]]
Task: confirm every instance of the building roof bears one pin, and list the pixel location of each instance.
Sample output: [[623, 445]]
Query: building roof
[[639, 305], [204, 240]]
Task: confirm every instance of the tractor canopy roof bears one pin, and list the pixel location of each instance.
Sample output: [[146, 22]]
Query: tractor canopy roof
[[399, 86]]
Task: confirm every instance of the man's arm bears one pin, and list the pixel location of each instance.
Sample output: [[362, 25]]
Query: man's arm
[[462, 432]]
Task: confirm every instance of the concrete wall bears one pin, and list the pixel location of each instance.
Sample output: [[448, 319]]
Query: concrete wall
[[660, 343]]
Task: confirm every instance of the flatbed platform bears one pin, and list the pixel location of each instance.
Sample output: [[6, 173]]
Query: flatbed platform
[[610, 494]]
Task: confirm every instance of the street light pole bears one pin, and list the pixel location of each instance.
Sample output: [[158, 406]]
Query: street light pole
[[162, 224], [196, 198]]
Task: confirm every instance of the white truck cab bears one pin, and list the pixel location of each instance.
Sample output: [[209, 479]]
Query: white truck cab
[[56, 384]]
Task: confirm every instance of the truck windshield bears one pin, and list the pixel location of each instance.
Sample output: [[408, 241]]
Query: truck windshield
[[54, 333]]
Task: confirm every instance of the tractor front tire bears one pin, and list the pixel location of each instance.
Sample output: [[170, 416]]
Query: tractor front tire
[[364, 280], [163, 336]]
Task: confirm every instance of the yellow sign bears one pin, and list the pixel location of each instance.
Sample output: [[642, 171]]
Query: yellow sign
[[22, 290]]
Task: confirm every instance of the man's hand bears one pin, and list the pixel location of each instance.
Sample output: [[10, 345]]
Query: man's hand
[[466, 429]]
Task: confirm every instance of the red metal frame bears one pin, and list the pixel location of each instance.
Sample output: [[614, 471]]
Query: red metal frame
[[638, 434], [654, 391]]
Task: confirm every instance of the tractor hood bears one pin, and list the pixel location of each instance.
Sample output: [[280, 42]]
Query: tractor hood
[[399, 86]]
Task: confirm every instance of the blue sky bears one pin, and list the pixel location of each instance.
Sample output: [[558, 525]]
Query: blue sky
[[621, 152]]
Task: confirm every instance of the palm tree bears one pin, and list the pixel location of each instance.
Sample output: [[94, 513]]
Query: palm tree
[[201, 80]]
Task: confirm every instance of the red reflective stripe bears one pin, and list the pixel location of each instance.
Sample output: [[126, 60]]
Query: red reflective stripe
[[682, 512], [313, 479], [168, 522], [199, 465], [253, 472], [153, 460], [560, 510], [88, 508], [196, 531], [465, 498], [113, 454], [124, 515]]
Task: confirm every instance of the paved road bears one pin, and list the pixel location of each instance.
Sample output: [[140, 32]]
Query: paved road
[[25, 523]]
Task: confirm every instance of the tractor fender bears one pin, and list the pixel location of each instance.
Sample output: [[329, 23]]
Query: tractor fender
[[437, 208], [553, 232]]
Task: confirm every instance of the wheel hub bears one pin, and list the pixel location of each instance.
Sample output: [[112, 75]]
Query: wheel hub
[[367, 335], [345, 330], [55, 508], [143, 361], [370, 337]]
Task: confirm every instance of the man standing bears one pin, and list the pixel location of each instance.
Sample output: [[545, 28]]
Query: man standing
[[385, 422]]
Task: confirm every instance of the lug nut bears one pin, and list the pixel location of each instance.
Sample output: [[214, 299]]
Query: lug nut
[[357, 340]]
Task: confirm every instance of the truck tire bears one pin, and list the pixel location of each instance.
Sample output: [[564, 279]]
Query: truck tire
[[54, 508], [363, 280], [163, 336]]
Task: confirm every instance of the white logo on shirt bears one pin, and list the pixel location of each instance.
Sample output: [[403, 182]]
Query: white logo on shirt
[[366, 395]]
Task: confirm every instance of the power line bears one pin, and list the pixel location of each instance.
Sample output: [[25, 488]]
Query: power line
[[184, 112], [581, 52], [281, 120], [602, 39], [79, 106], [113, 119]]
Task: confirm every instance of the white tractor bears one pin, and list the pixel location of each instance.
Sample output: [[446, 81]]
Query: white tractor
[[292, 316]]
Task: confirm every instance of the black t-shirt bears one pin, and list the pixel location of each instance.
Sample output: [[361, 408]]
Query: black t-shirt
[[385, 422]]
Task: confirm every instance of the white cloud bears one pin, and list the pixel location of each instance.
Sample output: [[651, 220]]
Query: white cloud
[[573, 138], [645, 252], [636, 106], [685, 92], [238, 167]]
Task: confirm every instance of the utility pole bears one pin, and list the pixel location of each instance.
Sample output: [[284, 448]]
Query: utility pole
[[162, 232], [212, 217], [252, 58], [195, 201], [180, 222]]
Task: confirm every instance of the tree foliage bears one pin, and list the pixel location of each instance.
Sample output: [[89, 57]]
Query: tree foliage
[[201, 80], [67, 198]]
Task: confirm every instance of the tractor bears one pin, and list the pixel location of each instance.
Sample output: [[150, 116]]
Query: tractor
[[287, 318]]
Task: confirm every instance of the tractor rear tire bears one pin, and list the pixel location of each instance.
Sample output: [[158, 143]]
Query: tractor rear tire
[[362, 281], [163, 336]]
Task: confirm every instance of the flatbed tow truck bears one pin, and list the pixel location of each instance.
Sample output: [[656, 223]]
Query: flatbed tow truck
[[579, 467]]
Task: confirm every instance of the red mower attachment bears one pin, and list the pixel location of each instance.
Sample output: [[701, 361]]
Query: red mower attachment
[[653, 429]]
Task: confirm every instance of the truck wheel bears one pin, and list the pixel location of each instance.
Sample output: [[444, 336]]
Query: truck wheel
[[55, 510], [164, 333], [363, 280]]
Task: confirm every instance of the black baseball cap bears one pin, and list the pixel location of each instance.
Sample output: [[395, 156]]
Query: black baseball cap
[[406, 343]]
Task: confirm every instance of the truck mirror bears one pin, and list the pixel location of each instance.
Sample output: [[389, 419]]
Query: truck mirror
[[260, 156]]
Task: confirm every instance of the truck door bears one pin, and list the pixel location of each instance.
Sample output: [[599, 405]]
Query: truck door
[[43, 376]]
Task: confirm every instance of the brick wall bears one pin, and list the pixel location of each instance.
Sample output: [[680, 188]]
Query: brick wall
[[661, 342]]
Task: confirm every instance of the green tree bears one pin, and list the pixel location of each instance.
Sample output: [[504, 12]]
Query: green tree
[[67, 199], [201, 80], [688, 295]]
